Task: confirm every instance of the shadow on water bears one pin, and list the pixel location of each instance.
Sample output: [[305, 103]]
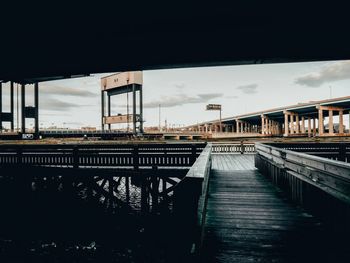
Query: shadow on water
[[46, 223]]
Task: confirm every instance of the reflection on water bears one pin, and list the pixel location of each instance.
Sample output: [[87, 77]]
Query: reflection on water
[[46, 221]]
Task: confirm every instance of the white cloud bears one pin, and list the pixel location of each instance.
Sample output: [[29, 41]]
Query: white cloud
[[248, 89], [332, 72]]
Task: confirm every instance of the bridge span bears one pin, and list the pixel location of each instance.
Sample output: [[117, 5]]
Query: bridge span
[[310, 119]]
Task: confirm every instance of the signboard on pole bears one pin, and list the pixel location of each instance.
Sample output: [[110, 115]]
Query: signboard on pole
[[118, 119], [214, 107]]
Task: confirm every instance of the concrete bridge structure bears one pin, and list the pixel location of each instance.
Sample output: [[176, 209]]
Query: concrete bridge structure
[[314, 118]]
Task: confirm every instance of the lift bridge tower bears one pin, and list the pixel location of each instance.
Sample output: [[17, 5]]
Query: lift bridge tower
[[118, 84]]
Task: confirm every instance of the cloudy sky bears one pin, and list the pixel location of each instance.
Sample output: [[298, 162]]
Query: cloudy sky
[[183, 93]]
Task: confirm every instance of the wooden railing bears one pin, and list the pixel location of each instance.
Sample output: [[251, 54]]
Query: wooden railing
[[101, 155], [192, 193], [233, 148], [328, 175], [334, 151], [320, 185]]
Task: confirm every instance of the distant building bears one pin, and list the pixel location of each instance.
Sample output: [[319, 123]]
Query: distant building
[[88, 128]]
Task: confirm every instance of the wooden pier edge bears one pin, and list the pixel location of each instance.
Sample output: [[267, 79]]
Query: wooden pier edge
[[320, 185], [191, 196]]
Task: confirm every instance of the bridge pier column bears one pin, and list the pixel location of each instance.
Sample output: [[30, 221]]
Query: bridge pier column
[[320, 122], [303, 124], [308, 127], [286, 125], [291, 123], [341, 122], [314, 127], [297, 122], [330, 123]]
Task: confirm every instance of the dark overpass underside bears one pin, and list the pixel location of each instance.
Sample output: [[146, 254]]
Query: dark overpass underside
[[61, 41]]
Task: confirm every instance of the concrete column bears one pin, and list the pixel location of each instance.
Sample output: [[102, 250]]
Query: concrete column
[[330, 122], [303, 124], [291, 124], [242, 128], [341, 122], [237, 126], [286, 125], [314, 127], [297, 128], [320, 122], [308, 127]]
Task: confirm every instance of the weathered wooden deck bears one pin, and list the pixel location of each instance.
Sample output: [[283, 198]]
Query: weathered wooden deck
[[249, 220]]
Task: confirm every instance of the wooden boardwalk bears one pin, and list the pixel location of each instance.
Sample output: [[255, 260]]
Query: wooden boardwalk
[[250, 220]]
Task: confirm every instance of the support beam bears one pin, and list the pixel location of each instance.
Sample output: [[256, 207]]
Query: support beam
[[109, 110], [330, 123], [12, 108], [141, 109], [303, 124], [23, 105], [0, 107], [134, 108], [314, 127], [36, 105], [286, 125], [291, 123], [102, 110], [341, 122], [297, 128], [320, 122]]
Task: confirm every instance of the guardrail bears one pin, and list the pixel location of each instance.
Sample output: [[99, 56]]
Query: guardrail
[[233, 148], [191, 195], [334, 151], [319, 184], [331, 176], [101, 155]]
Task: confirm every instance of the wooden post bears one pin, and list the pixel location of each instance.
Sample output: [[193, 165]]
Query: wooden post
[[286, 125], [320, 122], [341, 122], [127, 189], [308, 127], [330, 122]]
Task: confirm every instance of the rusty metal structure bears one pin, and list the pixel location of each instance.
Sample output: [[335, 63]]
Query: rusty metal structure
[[118, 84], [26, 112]]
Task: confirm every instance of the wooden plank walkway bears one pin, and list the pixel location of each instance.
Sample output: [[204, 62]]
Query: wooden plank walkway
[[250, 220]]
